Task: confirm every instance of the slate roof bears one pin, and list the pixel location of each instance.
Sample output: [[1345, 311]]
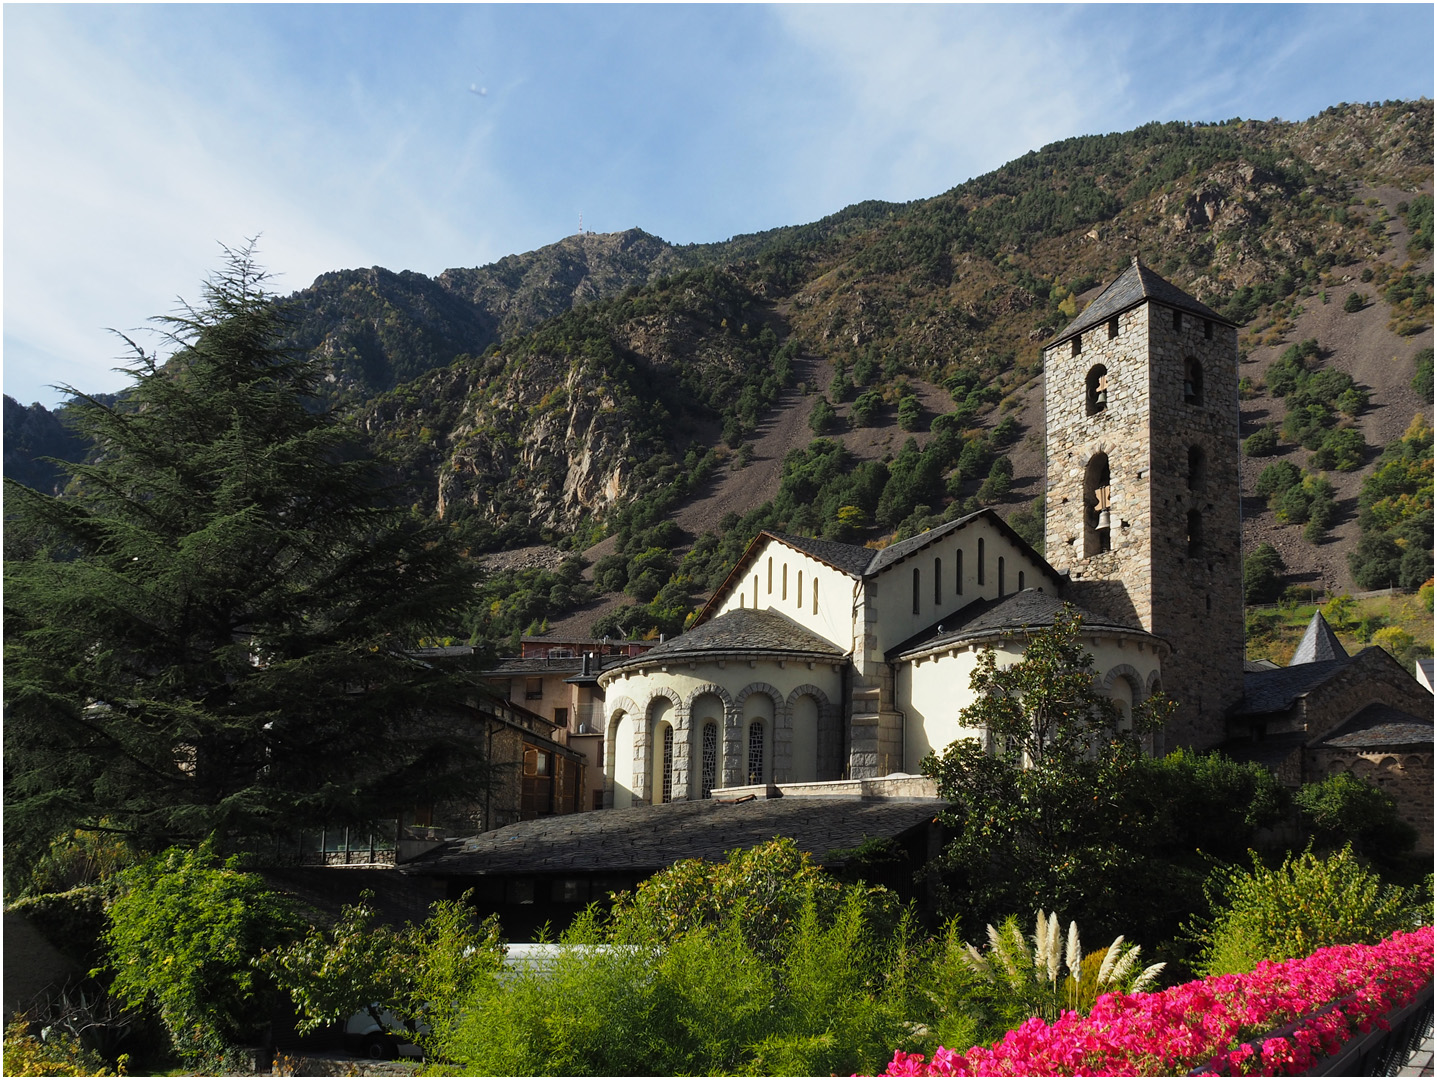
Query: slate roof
[[1318, 643], [852, 559], [1133, 286], [743, 630], [648, 838], [1380, 725], [1269, 752], [1276, 690], [983, 618]]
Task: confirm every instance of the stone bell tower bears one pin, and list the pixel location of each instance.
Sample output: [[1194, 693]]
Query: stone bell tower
[[1143, 495]]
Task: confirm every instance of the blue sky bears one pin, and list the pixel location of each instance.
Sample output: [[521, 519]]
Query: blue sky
[[139, 138]]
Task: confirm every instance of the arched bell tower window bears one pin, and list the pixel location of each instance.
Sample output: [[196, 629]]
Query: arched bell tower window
[[1097, 494], [1195, 544], [1192, 381], [1097, 389], [1197, 468]]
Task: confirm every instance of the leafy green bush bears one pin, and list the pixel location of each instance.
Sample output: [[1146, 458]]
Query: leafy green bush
[[1277, 478], [823, 418], [1344, 809], [53, 1053], [1342, 449], [1353, 303], [1261, 442], [1395, 515], [1262, 575], [1422, 372], [866, 408], [184, 932], [1303, 905], [910, 413]]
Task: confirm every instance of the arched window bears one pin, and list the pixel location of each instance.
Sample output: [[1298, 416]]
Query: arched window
[[980, 561], [1195, 542], [666, 788], [755, 752], [783, 595], [1097, 389], [915, 590], [1197, 468], [708, 758], [1097, 495], [1192, 381], [1000, 576], [770, 576], [755, 591], [1020, 581], [815, 596], [937, 581], [799, 602]]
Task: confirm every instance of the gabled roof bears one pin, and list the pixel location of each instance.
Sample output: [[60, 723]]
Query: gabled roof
[[1378, 726], [740, 631], [1276, 690], [649, 838], [1134, 286], [1317, 644], [862, 562], [987, 618]]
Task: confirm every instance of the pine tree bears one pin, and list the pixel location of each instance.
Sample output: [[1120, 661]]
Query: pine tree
[[213, 629]]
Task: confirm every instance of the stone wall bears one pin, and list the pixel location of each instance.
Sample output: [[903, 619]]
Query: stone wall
[[1404, 775], [1191, 596]]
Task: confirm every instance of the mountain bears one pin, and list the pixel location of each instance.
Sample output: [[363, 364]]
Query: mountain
[[606, 384]]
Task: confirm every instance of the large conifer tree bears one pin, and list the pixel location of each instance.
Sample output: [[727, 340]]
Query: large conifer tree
[[212, 630]]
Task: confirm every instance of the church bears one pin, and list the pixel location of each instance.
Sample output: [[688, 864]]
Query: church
[[810, 688], [818, 661]]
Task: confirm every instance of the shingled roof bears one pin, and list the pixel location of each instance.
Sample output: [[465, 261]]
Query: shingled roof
[[1379, 726], [986, 618], [1276, 690], [1318, 643], [649, 838], [739, 631], [1132, 287]]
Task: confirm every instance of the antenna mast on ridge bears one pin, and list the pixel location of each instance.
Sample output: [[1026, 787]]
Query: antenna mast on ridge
[[581, 223]]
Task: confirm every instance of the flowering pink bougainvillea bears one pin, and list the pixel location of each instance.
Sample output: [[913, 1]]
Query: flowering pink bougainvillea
[[1277, 1020]]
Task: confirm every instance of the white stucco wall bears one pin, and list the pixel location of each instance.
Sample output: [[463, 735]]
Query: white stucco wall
[[933, 691], [892, 589], [733, 692], [763, 586]]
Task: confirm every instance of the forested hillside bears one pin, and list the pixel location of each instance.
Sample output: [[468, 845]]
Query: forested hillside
[[593, 391]]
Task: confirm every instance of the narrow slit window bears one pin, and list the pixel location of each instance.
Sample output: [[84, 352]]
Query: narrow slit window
[[1000, 576], [799, 600], [1077, 344], [755, 590], [770, 576], [1020, 581], [915, 590], [1197, 468], [980, 562], [958, 574], [783, 583], [1177, 320], [1112, 328], [1195, 539], [1207, 329], [937, 581], [1192, 381], [815, 596]]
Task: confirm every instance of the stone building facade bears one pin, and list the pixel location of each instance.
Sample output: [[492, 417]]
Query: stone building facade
[[1143, 496]]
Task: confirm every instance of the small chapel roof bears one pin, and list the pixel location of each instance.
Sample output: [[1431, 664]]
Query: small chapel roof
[[648, 838], [1380, 726], [1023, 610], [1133, 286], [739, 631], [1275, 690], [1318, 643]]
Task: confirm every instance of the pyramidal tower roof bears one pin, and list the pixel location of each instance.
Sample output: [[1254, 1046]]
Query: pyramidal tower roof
[[1132, 287], [1318, 643]]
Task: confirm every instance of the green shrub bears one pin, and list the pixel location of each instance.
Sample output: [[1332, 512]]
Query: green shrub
[[184, 932], [1262, 575], [1352, 303], [1277, 478], [823, 418], [55, 1053], [1422, 372], [1261, 442], [910, 413], [1342, 449], [1304, 905], [866, 408], [1343, 809]]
